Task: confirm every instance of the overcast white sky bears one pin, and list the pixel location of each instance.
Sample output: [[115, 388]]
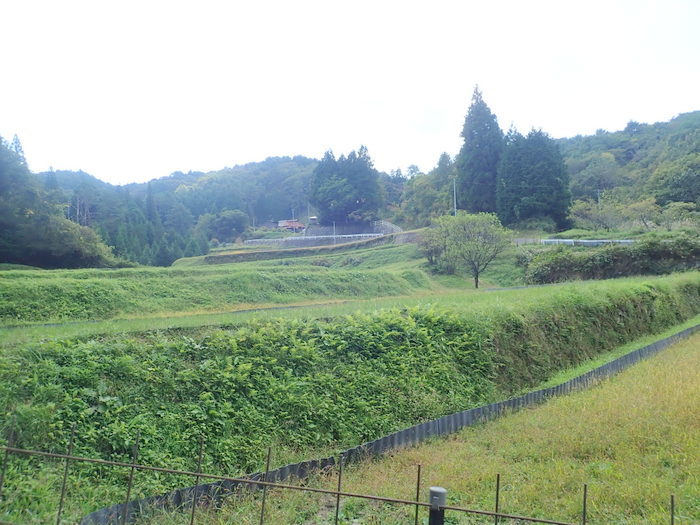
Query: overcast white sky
[[134, 90]]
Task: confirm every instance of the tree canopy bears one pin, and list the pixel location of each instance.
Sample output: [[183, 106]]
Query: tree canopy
[[34, 230], [466, 241], [477, 162], [532, 180], [346, 189]]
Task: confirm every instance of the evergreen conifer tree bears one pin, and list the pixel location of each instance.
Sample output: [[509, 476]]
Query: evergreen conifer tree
[[477, 162], [510, 181], [16, 146], [532, 180]]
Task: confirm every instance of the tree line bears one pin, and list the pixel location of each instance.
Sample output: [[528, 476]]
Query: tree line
[[33, 229], [646, 174]]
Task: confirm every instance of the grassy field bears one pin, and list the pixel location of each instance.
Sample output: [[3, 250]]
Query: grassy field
[[307, 383], [191, 290], [70, 295], [309, 354], [68, 303], [634, 439], [451, 292]]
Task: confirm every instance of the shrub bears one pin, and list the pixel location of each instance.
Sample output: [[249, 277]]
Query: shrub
[[651, 256]]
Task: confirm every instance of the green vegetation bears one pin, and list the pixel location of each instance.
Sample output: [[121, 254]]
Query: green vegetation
[[521, 178], [171, 217], [533, 184], [632, 439], [30, 296], [34, 232], [658, 160], [301, 385], [466, 241], [10, 266], [476, 165], [346, 189], [242, 255], [640, 179], [649, 256]]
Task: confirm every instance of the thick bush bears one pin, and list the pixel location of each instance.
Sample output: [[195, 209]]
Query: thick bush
[[645, 257]]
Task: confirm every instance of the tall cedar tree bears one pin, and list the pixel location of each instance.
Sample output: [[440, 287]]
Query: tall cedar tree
[[511, 184], [346, 189], [532, 180], [477, 162]]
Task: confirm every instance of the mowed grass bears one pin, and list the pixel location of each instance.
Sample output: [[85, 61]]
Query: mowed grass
[[634, 439], [75, 295], [59, 296]]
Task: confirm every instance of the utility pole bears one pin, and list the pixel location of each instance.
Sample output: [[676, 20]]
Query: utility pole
[[454, 194]]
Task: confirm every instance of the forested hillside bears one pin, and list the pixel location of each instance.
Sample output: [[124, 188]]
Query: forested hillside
[[644, 175], [647, 175], [182, 214], [660, 160], [175, 216], [33, 229]]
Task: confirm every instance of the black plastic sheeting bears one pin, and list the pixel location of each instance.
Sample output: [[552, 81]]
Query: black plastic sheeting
[[214, 493]]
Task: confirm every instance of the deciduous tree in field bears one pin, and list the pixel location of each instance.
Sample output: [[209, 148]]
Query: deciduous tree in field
[[467, 241]]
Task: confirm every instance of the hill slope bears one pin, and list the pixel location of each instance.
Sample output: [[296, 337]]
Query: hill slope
[[660, 160]]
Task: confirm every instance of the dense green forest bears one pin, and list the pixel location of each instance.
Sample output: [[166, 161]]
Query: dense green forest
[[34, 230], [647, 176], [179, 215]]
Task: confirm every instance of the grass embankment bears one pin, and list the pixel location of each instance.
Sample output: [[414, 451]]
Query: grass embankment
[[634, 440], [249, 253], [61, 295], [306, 386]]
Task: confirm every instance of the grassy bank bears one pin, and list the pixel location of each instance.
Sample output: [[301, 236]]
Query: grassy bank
[[247, 254], [62, 295], [305, 385], [649, 256]]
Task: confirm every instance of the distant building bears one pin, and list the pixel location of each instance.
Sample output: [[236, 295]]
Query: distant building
[[291, 224]]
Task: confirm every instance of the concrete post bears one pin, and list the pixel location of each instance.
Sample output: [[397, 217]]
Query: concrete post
[[438, 500]]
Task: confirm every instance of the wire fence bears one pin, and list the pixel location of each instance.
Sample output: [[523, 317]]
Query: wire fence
[[200, 494]]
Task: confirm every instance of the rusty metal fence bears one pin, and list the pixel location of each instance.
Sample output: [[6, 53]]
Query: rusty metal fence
[[199, 496], [190, 497]]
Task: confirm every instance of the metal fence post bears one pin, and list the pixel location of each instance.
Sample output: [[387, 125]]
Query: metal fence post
[[673, 509], [340, 482], [6, 459], [134, 459], [417, 494], [196, 479], [264, 478], [65, 477], [438, 500], [498, 494]]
